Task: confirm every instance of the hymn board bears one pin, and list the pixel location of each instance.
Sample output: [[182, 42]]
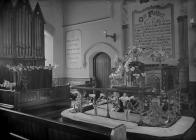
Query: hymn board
[[73, 49]]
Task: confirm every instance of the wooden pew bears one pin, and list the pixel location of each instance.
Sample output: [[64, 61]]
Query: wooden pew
[[17, 125]]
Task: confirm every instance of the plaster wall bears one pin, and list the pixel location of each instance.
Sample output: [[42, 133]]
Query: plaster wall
[[93, 17], [92, 31]]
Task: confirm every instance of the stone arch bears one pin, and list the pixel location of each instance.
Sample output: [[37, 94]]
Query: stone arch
[[96, 48]]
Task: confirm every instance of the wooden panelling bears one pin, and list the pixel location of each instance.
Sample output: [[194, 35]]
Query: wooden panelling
[[32, 99], [72, 81], [166, 77]]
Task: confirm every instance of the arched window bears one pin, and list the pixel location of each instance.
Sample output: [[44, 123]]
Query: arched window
[[48, 38]]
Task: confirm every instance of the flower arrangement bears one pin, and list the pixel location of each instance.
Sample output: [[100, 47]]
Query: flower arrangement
[[116, 104], [135, 53], [8, 85], [117, 75], [129, 69], [159, 56], [21, 67], [27, 77], [131, 103], [160, 110], [135, 73], [163, 110]]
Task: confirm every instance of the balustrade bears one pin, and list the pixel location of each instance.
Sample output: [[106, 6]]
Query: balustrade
[[147, 105]]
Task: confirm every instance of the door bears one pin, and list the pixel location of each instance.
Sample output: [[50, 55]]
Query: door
[[102, 69]]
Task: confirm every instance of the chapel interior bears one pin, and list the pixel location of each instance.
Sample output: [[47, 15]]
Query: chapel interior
[[97, 69]]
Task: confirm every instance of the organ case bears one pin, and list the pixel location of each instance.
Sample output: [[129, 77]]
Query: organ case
[[21, 33]]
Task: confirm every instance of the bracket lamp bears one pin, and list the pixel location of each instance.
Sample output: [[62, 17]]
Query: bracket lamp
[[193, 23], [111, 36]]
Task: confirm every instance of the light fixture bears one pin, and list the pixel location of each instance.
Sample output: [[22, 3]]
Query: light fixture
[[193, 23], [144, 1], [112, 36]]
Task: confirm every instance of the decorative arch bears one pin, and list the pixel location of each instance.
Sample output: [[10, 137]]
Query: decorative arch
[[96, 48]]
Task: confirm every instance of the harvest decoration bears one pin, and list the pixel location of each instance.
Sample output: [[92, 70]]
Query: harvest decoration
[[160, 110], [8, 85], [20, 68], [26, 77], [128, 70]]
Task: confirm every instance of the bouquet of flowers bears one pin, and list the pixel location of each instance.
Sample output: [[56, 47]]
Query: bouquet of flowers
[[20, 67], [8, 85], [135, 72], [163, 110], [117, 76], [134, 69], [129, 69], [158, 56]]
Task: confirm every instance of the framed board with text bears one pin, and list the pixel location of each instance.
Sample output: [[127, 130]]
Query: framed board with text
[[153, 28], [73, 49]]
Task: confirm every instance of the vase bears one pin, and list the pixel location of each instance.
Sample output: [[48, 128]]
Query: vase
[[95, 109], [126, 111], [141, 84], [108, 114], [125, 80]]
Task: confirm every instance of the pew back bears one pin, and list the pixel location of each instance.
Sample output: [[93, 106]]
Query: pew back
[[26, 126]]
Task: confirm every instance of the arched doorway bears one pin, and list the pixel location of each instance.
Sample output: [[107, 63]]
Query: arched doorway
[[102, 69]]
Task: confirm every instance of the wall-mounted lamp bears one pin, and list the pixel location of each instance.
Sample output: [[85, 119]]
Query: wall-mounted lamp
[[193, 23], [112, 36], [144, 1]]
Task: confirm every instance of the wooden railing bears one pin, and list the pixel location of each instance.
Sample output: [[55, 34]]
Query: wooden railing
[[24, 126], [147, 101], [128, 90]]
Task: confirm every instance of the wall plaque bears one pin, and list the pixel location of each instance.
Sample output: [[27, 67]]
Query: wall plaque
[[73, 49], [153, 28]]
